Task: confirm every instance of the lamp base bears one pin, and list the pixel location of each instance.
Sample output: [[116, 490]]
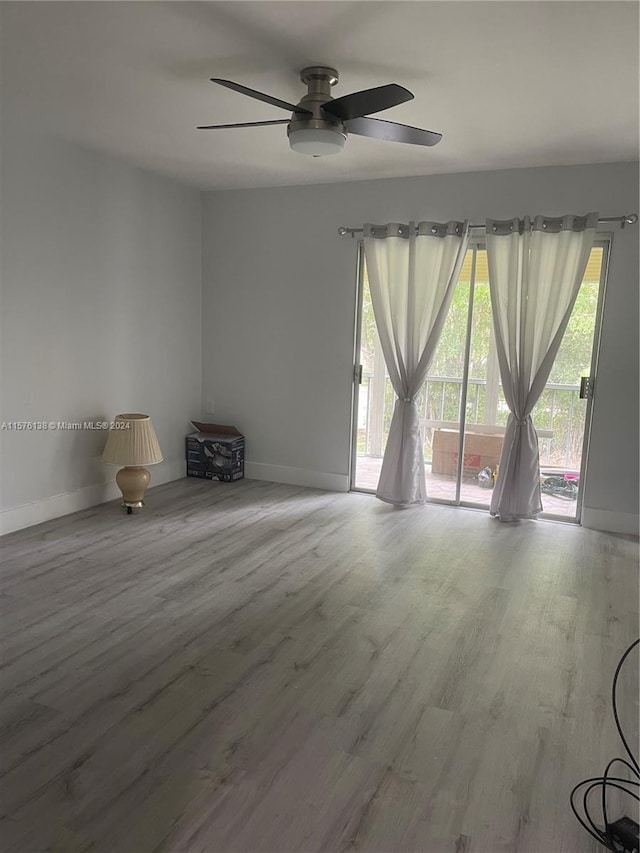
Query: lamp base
[[132, 482]]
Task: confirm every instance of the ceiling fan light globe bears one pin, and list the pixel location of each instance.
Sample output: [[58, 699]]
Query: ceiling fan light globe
[[316, 142]]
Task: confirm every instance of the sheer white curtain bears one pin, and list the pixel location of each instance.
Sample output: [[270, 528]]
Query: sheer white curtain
[[412, 271], [535, 272]]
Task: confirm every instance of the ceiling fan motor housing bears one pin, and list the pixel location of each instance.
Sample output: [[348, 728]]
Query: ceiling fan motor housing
[[320, 133]]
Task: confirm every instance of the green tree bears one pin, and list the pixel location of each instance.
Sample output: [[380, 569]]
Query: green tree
[[439, 399]]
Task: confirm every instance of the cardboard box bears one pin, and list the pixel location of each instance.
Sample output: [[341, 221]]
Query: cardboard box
[[480, 451], [215, 452]]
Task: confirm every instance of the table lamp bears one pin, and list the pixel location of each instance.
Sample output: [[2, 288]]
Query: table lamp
[[132, 442]]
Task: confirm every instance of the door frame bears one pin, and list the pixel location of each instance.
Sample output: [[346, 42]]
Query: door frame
[[603, 240], [356, 376]]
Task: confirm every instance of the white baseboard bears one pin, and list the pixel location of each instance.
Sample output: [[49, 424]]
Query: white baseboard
[[610, 522], [296, 476], [26, 515]]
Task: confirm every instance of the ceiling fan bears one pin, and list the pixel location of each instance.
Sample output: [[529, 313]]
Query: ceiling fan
[[319, 124]]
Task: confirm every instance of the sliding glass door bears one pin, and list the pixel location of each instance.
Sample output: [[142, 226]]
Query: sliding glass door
[[462, 409]]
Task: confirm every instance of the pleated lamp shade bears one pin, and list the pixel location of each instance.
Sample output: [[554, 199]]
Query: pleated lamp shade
[[134, 444]]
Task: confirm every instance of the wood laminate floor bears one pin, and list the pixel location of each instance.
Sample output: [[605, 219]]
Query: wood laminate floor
[[259, 667]]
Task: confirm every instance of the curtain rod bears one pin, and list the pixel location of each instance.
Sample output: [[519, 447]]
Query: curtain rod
[[629, 219]]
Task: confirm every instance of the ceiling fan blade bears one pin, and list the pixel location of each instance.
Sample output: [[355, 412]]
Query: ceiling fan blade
[[242, 124], [260, 96], [392, 131], [368, 101]]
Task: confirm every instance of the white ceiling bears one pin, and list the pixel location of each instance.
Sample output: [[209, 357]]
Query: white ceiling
[[509, 84]]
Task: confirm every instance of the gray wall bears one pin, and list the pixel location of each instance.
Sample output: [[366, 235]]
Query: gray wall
[[278, 311], [100, 314]]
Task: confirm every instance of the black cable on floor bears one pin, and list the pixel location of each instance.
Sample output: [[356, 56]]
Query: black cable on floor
[[604, 837], [615, 705], [593, 783], [605, 779]]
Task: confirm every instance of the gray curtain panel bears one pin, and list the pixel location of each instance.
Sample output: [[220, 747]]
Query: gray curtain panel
[[412, 271], [535, 271]]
